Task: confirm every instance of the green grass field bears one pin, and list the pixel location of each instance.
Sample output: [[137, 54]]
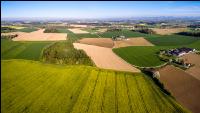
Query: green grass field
[[140, 56], [19, 29], [21, 50], [34, 87], [172, 40], [90, 30], [60, 30], [146, 56], [195, 45], [28, 30]]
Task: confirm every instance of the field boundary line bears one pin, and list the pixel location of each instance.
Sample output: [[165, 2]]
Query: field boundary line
[[116, 100], [40, 58], [140, 67], [140, 93], [128, 93], [92, 93]]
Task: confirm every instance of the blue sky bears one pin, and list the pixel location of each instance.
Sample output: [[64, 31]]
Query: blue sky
[[98, 9]]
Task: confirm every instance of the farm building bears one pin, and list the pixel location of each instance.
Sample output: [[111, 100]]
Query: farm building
[[119, 37], [180, 51]]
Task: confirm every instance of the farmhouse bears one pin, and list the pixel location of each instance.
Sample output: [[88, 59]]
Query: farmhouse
[[119, 37], [180, 51]]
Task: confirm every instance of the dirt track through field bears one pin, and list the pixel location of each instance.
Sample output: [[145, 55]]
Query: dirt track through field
[[105, 58], [39, 36], [184, 87]]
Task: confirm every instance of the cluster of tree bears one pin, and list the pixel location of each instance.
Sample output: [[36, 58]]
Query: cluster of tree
[[194, 26], [194, 33], [114, 29], [7, 29], [51, 30], [146, 31], [65, 53], [8, 36]]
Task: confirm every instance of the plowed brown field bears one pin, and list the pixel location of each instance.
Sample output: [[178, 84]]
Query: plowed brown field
[[168, 31], [103, 42], [184, 87], [140, 41], [77, 31]]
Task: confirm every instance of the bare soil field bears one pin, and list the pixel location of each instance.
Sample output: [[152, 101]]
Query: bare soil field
[[39, 36], [102, 30], [140, 41], [105, 58], [184, 87], [78, 26], [194, 59], [168, 31], [103, 42], [77, 31]]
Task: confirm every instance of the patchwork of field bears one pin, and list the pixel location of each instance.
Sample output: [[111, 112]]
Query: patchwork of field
[[194, 59], [108, 42], [157, 40], [140, 41], [146, 56], [29, 86], [22, 50], [39, 36], [103, 42], [183, 86], [105, 58], [77, 31], [168, 31]]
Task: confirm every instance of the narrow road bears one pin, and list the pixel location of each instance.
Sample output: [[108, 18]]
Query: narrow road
[[105, 58]]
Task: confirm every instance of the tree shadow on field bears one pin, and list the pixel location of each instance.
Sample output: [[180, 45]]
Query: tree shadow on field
[[149, 73]]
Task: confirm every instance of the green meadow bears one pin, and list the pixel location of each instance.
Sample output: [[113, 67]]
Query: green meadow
[[22, 50]]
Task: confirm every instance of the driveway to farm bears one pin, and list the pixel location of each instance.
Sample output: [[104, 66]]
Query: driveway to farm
[[105, 58]]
